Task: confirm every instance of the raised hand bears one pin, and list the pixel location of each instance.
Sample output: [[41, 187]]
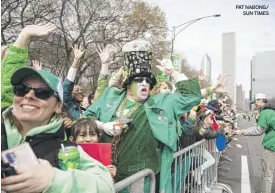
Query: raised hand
[[219, 87], [201, 75], [33, 31], [104, 53], [165, 66], [36, 65], [78, 52], [39, 30]]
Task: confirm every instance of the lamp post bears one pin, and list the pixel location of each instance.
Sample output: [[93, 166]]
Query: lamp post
[[174, 34]]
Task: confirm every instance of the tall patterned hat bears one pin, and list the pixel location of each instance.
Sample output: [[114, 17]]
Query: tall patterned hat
[[137, 61]]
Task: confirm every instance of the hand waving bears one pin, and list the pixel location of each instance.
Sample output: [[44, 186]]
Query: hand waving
[[201, 75], [220, 83], [78, 51], [165, 67], [39, 30], [104, 53], [36, 65]]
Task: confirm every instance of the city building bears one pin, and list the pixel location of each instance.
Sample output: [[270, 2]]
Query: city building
[[239, 97], [229, 64], [263, 74], [206, 67]]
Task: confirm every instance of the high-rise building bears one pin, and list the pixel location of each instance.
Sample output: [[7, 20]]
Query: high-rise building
[[239, 97], [262, 74], [206, 67], [229, 64]]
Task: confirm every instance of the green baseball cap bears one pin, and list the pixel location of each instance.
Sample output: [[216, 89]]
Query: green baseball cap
[[50, 79]]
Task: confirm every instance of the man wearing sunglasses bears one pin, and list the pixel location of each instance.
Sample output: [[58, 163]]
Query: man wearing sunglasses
[[151, 135]]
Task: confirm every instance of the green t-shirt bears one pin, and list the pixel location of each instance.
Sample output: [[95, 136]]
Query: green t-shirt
[[267, 121]]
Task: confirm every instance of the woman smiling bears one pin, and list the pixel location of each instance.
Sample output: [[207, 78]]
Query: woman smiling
[[33, 101]]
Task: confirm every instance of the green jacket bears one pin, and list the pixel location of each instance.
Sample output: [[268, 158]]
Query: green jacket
[[267, 121], [62, 181], [14, 59], [91, 177], [171, 106]]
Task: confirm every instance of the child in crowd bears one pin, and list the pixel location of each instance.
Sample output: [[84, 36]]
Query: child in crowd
[[85, 130]]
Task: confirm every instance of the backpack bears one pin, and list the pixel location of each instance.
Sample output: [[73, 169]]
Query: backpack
[[45, 145]]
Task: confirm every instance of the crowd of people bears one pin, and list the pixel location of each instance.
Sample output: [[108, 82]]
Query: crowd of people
[[145, 118]]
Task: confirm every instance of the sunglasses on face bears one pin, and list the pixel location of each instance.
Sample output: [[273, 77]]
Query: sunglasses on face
[[141, 79], [40, 93]]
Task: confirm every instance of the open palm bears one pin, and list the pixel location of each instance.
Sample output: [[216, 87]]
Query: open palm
[[104, 53], [201, 75], [78, 51], [39, 30]]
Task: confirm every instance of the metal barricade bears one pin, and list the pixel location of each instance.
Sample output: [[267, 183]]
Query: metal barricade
[[212, 172], [194, 170], [135, 183], [188, 168]]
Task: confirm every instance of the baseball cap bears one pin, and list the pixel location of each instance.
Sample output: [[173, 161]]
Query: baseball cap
[[50, 79], [214, 106], [258, 96]]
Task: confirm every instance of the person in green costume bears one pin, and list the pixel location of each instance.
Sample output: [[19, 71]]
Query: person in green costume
[[142, 127], [265, 124]]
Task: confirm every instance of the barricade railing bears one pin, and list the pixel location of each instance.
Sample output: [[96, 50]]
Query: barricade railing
[[187, 168], [136, 182], [212, 171], [194, 170]]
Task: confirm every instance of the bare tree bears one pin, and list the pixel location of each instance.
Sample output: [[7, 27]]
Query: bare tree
[[85, 22]]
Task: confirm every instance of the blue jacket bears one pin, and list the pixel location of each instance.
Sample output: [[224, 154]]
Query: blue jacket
[[73, 109]]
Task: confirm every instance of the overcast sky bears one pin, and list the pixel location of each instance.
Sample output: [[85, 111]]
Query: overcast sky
[[253, 32]]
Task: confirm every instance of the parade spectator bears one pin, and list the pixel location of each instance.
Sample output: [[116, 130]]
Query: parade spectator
[[85, 131], [265, 124], [88, 100], [73, 93], [153, 118], [105, 54], [205, 123], [215, 107], [34, 117]]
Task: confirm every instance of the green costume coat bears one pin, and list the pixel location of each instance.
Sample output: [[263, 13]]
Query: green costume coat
[[170, 106]]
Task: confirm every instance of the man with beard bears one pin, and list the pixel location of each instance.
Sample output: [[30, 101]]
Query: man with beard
[[73, 94], [142, 128]]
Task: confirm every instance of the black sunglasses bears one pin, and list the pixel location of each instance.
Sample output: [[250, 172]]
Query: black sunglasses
[[40, 93], [141, 79]]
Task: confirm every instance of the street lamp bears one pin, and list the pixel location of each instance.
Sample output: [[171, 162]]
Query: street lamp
[[189, 23]]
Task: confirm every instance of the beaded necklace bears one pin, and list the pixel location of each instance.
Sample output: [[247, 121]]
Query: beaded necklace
[[120, 115]]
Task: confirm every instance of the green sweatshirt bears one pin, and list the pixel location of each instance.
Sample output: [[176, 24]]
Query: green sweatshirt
[[267, 121], [92, 175], [14, 59]]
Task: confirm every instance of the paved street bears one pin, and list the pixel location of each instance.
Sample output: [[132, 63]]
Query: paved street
[[242, 149]]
